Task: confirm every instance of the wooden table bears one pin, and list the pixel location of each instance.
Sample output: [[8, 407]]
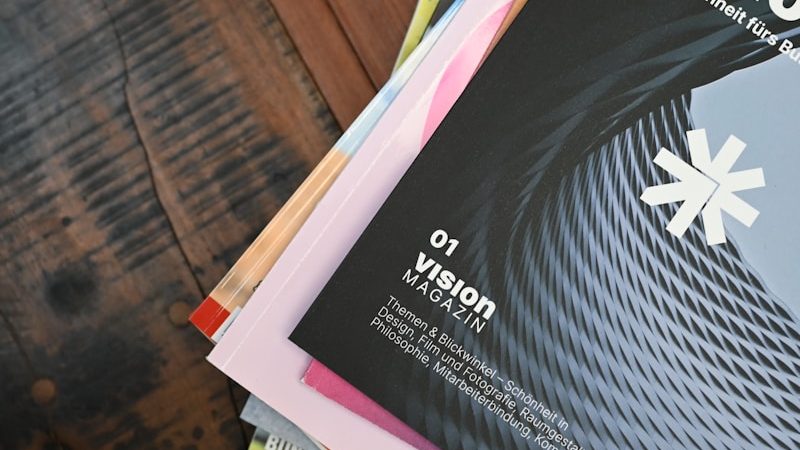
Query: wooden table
[[143, 145]]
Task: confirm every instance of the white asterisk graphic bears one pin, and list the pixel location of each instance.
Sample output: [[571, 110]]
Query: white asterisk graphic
[[707, 189]]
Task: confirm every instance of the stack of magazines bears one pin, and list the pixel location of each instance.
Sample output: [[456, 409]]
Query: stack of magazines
[[586, 241]]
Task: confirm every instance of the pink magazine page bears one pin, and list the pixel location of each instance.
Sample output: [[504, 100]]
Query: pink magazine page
[[327, 383], [450, 86], [259, 335]]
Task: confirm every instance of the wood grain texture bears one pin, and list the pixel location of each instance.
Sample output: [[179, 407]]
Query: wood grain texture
[[376, 30], [329, 56], [143, 144]]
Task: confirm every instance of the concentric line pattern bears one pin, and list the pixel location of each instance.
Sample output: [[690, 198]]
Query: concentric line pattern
[[640, 339]]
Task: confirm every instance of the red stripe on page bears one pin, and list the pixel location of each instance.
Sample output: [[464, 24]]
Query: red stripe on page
[[209, 316]]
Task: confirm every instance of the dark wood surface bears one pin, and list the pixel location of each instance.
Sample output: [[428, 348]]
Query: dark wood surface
[[143, 145]]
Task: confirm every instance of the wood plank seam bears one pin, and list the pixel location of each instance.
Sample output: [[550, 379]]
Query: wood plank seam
[[159, 200], [375, 30], [353, 45], [355, 50], [333, 63], [147, 156]]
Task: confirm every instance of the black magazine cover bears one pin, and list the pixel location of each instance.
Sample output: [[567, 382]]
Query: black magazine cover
[[598, 247]]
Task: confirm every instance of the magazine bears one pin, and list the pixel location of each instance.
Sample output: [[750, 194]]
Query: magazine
[[597, 247]]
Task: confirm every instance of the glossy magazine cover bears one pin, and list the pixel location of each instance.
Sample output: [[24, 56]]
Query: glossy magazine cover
[[597, 248]]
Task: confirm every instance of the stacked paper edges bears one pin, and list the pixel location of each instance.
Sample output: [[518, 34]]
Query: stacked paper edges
[[368, 159]]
